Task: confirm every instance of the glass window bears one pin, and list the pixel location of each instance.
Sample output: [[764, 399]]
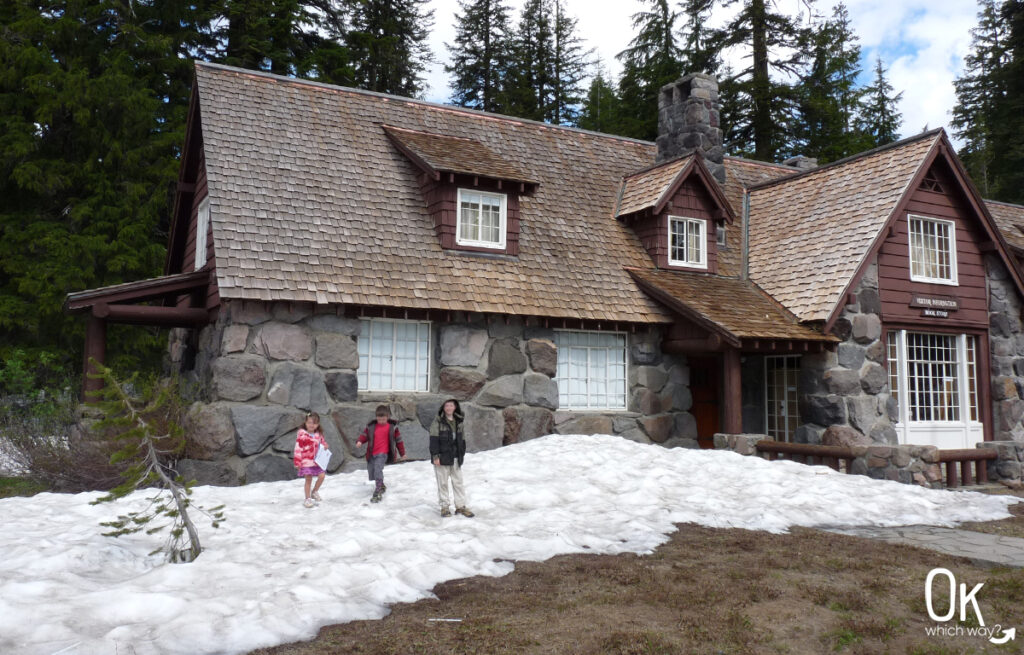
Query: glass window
[[932, 250], [591, 370], [394, 355], [687, 242], [782, 415], [481, 219], [933, 376], [202, 225]]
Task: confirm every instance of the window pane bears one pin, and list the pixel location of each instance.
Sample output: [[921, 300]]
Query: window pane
[[393, 355], [591, 371], [931, 249]]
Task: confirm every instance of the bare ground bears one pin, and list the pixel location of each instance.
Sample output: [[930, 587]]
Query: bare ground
[[704, 591]]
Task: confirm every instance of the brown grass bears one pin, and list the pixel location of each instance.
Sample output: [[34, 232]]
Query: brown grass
[[704, 591]]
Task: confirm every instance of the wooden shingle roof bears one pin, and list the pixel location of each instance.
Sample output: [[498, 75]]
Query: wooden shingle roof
[[809, 233], [649, 187], [1010, 221], [438, 153], [311, 201]]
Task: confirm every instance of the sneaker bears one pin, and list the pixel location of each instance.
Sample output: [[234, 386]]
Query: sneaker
[[316, 497], [375, 498], [465, 512], [445, 512], [308, 502]]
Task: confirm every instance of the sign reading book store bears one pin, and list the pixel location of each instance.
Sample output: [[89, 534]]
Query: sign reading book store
[[934, 306]]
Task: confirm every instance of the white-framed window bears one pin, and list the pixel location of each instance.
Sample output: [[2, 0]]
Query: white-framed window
[[932, 250], [934, 380], [394, 355], [782, 413], [687, 242], [591, 372], [202, 225], [481, 219]]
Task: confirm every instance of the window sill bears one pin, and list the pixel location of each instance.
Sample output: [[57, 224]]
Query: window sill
[[926, 280]]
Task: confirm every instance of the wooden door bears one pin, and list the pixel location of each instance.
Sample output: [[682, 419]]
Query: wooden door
[[705, 388]]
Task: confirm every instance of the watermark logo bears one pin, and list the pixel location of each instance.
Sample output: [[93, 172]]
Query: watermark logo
[[964, 600]]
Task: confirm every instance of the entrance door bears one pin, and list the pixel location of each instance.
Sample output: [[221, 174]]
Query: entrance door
[[704, 386], [782, 414]]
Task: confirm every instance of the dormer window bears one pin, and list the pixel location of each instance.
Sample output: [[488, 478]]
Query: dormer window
[[687, 242], [932, 250], [482, 219]]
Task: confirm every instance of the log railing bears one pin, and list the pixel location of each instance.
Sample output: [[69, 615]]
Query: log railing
[[804, 453], [962, 460]]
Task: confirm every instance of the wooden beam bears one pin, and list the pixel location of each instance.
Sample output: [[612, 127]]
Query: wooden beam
[[95, 348], [732, 401], [695, 345], [150, 315]]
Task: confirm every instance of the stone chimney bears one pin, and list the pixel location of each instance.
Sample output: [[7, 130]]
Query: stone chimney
[[688, 122], [802, 163]]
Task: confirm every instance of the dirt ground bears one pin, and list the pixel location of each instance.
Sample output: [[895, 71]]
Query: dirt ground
[[704, 591]]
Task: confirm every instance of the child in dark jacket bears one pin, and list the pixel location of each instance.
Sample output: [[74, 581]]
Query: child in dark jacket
[[384, 446], [447, 450]]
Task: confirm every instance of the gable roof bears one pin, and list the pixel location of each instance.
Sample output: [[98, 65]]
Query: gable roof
[[437, 153], [311, 201], [733, 308], [653, 187], [811, 232]]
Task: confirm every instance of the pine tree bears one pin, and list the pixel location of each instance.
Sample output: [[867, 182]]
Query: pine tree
[[480, 54], [1008, 120], [569, 68], [828, 96], [701, 49], [387, 40], [879, 120], [763, 105], [652, 60], [601, 108]]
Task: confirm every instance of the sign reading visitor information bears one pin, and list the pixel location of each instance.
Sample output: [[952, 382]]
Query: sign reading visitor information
[[934, 306]]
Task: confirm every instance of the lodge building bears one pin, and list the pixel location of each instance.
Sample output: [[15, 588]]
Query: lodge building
[[332, 249]]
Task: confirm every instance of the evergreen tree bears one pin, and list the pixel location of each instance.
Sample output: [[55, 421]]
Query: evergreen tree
[[828, 97], [387, 41], [480, 54], [701, 46], [652, 60], [879, 120], [601, 108], [90, 126], [569, 68], [763, 106], [1008, 120]]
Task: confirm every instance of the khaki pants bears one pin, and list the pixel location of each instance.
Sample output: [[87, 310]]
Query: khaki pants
[[453, 473]]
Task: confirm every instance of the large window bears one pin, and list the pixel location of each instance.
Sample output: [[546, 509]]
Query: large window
[[481, 219], [394, 355], [934, 380], [687, 239], [591, 370], [782, 414], [202, 225], [932, 250]]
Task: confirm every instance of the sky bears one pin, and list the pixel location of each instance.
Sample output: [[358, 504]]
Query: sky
[[275, 572], [922, 43]]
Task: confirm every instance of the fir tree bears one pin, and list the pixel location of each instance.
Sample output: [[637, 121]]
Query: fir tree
[[652, 60], [480, 54], [701, 45], [879, 120], [828, 96], [1008, 121], [601, 108], [387, 40], [569, 68]]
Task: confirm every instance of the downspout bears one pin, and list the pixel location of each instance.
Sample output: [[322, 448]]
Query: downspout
[[746, 234]]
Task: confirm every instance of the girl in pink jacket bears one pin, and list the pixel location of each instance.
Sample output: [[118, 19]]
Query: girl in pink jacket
[[307, 441]]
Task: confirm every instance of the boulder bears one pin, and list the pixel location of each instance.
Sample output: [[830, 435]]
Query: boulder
[[234, 339], [342, 385], [676, 397], [283, 341], [484, 428], [291, 312], [866, 328], [269, 468], [352, 327], [679, 442], [644, 350], [461, 383], [851, 355], [684, 426], [644, 401], [511, 326], [462, 345], [350, 421], [869, 301], [842, 381], [257, 426], [873, 378], [844, 436], [416, 439], [218, 474], [823, 410], [504, 391], [587, 424], [883, 433], [862, 412], [540, 391], [543, 356], [652, 377], [658, 428], [842, 328], [525, 423], [238, 377], [1010, 412], [249, 312], [876, 352], [336, 351], [504, 359], [298, 386], [209, 432], [808, 433], [622, 424], [637, 435], [427, 408]]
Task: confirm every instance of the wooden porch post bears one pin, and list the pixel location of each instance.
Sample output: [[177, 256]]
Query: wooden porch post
[[732, 405], [95, 348]]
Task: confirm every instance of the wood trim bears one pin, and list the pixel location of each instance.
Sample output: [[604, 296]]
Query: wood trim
[[151, 315], [138, 291]]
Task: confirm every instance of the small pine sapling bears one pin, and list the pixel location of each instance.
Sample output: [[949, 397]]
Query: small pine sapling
[[148, 435]]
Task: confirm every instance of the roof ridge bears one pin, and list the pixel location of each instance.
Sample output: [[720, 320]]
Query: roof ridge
[[1001, 202], [930, 134], [417, 101], [386, 126], [652, 167], [758, 162]]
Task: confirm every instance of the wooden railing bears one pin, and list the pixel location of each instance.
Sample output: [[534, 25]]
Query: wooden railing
[[804, 453], [962, 460]]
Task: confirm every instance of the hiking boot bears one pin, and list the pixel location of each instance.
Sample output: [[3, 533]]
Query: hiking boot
[[316, 497], [375, 498], [308, 503], [445, 512], [383, 487], [465, 512]]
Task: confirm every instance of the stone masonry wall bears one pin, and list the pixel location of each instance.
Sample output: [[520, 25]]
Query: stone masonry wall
[[1006, 346], [844, 395], [263, 366]]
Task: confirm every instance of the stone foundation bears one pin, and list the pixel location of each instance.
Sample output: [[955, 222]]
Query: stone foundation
[[1010, 463], [265, 365]]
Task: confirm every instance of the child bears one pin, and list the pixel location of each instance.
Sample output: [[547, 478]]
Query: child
[[447, 450], [307, 441], [385, 447]]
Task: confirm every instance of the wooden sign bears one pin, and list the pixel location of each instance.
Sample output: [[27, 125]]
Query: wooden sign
[[926, 301]]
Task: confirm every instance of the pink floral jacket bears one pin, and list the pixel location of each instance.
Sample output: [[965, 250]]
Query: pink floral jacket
[[305, 447]]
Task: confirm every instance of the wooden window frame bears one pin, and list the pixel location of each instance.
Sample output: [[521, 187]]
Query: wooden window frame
[[772, 417], [951, 244], [687, 220], [366, 338], [560, 379], [502, 242]]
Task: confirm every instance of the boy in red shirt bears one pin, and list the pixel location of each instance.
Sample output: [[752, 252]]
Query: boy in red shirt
[[384, 447]]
